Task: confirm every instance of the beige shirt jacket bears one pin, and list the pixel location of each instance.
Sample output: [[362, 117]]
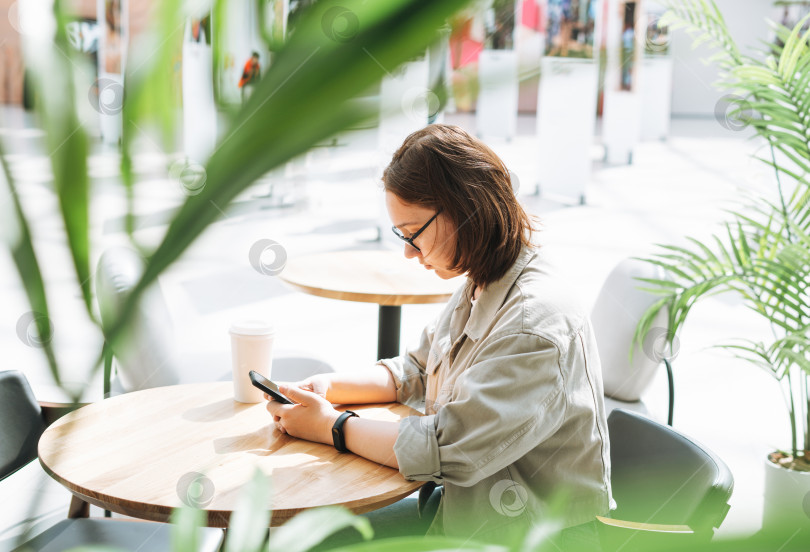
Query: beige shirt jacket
[[514, 414]]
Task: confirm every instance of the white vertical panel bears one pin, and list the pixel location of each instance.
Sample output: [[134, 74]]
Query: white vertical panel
[[566, 117], [496, 110]]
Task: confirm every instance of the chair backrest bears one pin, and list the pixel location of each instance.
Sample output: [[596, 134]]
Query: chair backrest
[[145, 356], [660, 475], [21, 422], [615, 315], [296, 368]]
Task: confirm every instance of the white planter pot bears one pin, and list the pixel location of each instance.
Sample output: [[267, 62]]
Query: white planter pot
[[405, 105], [656, 97], [566, 117], [199, 107], [496, 110], [110, 104], [621, 125], [787, 497]]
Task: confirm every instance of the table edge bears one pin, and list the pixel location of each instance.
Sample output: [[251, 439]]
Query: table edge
[[361, 297], [219, 518], [214, 518]]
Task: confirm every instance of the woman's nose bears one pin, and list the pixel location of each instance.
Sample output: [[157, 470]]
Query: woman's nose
[[411, 251]]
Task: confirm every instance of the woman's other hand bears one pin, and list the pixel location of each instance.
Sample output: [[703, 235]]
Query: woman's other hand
[[318, 384], [372, 385]]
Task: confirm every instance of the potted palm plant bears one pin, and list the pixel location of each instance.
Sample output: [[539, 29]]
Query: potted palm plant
[[763, 253]]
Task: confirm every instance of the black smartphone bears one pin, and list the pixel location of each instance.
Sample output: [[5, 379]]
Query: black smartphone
[[261, 382]]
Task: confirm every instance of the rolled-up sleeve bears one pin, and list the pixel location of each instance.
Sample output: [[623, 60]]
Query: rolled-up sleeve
[[408, 370], [417, 449], [509, 400]]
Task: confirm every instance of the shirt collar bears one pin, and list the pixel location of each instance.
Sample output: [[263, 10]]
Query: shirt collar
[[493, 296]]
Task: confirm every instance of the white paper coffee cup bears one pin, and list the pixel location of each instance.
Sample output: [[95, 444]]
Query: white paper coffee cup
[[251, 349]]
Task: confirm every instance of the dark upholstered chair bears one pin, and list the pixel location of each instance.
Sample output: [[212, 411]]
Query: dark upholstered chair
[[21, 423], [666, 486]]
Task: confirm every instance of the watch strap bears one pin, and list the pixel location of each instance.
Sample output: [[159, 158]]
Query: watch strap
[[337, 431]]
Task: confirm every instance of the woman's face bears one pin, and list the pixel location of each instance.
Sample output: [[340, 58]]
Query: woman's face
[[436, 242]]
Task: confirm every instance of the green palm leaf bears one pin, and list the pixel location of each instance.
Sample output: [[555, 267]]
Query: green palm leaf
[[67, 147], [25, 259]]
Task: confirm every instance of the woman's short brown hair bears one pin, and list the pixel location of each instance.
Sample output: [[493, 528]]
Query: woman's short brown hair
[[443, 167]]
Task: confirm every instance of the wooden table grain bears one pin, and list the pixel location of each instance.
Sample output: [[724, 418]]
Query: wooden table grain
[[386, 278], [137, 454]]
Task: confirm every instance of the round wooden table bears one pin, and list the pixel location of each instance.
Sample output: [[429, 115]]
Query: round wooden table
[[386, 278], [144, 453]]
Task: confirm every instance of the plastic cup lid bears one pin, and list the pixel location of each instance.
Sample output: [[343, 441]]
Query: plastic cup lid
[[252, 327]]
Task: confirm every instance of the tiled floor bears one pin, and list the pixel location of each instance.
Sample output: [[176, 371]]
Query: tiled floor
[[674, 188]]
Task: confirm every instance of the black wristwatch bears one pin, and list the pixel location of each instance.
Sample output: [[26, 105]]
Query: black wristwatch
[[337, 431]]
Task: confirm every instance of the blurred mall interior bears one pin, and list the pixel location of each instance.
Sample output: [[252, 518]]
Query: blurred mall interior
[[611, 121]]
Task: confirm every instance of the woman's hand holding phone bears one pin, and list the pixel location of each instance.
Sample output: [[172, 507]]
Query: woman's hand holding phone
[[317, 385], [311, 418]]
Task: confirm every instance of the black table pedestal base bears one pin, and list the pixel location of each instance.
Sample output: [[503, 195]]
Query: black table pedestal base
[[388, 331]]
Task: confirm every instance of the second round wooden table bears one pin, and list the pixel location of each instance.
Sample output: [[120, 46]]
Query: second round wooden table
[[386, 278]]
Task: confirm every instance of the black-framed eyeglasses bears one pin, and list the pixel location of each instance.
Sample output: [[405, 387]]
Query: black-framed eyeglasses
[[409, 241]]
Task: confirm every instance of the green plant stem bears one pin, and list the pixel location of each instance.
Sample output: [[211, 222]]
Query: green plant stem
[[792, 412], [807, 412], [781, 195], [129, 187]]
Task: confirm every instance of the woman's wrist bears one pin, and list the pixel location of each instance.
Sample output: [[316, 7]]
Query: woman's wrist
[[372, 439], [326, 382], [326, 433]]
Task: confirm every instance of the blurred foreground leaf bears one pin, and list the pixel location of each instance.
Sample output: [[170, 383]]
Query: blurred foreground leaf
[[247, 529], [312, 527]]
